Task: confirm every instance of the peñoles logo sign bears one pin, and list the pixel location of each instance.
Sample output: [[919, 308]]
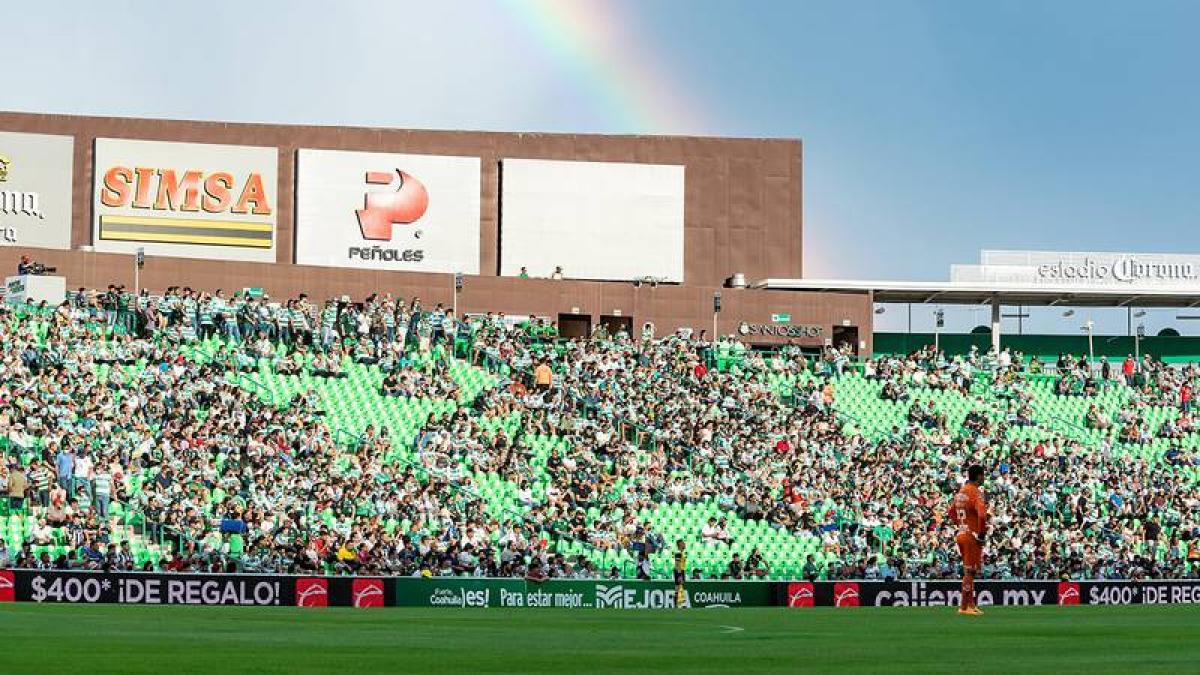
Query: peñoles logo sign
[[403, 206], [382, 210]]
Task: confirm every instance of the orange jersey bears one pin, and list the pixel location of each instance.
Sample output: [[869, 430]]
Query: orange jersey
[[969, 511]]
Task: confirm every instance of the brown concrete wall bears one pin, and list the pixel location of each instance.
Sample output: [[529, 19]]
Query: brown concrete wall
[[742, 214], [742, 204]]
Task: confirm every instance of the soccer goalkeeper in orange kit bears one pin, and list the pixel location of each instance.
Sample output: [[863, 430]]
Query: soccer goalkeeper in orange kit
[[969, 513]]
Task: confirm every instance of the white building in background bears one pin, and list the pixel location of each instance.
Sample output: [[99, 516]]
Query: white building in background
[[1037, 292]]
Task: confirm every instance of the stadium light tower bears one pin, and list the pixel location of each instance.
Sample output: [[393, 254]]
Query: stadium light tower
[[1130, 315], [139, 261], [716, 312], [939, 322], [458, 285], [1091, 349]]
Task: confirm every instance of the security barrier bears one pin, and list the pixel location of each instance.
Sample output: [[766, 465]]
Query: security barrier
[[590, 594], [463, 592], [1004, 593]]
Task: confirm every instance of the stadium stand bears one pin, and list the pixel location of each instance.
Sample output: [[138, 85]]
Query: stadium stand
[[188, 431]]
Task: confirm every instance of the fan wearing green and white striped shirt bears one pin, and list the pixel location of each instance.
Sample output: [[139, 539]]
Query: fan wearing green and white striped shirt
[[102, 486]]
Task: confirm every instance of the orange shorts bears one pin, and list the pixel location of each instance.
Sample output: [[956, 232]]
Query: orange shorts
[[970, 548]]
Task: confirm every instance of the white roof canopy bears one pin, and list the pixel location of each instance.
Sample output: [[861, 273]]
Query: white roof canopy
[[955, 292]]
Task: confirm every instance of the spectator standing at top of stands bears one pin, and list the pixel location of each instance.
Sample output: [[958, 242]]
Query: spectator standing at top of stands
[[524, 274], [64, 462], [1185, 397], [17, 485], [543, 376], [102, 487], [1127, 369], [40, 477], [1004, 358], [557, 274], [83, 472], [827, 395]]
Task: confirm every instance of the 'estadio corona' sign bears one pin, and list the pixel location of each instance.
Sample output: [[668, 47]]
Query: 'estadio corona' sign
[[1129, 272], [1122, 269], [368, 210], [35, 190], [188, 200]]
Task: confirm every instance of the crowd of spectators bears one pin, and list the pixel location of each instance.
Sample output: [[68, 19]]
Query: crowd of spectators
[[107, 412], [1061, 507]]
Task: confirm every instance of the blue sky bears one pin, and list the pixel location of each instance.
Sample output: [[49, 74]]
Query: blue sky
[[932, 129]]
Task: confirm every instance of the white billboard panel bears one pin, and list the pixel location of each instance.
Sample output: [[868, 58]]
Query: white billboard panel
[[185, 200], [35, 190], [597, 220], [382, 211]]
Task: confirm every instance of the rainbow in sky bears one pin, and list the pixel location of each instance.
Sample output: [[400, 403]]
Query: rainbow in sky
[[596, 43]]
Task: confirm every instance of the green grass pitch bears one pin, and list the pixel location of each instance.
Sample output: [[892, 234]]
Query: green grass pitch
[[128, 639]]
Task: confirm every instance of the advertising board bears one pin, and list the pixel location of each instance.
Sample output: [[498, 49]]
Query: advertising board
[[53, 586], [185, 200], [595, 220], [35, 190], [381, 211]]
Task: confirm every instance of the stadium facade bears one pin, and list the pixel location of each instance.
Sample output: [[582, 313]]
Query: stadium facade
[[644, 229]]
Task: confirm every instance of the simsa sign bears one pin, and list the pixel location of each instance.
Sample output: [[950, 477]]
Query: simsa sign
[[35, 190], [367, 210], [186, 200]]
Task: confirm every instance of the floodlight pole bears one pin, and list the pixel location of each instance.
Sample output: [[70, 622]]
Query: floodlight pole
[[1091, 348], [456, 286], [716, 311], [939, 320], [139, 259]]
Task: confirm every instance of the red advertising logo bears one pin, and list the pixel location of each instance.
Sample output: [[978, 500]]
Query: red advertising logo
[[7, 586], [312, 592], [405, 205], [1068, 593], [367, 592], [845, 594], [800, 594]]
